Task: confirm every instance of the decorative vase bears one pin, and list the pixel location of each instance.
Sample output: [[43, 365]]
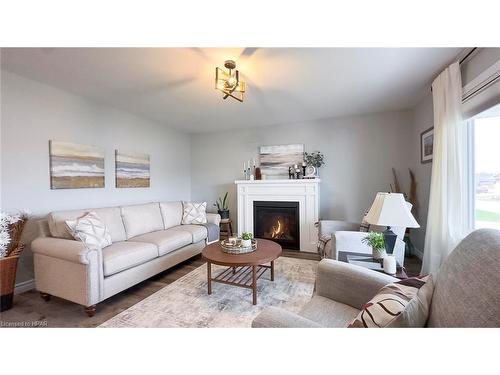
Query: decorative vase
[[8, 267], [224, 214], [246, 243], [378, 253]]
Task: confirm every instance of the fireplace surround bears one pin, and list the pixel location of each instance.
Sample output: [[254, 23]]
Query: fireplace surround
[[304, 193]]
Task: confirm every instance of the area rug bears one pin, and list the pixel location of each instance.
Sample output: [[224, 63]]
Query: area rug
[[185, 302]]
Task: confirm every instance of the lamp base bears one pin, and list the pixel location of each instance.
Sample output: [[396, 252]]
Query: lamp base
[[390, 240]]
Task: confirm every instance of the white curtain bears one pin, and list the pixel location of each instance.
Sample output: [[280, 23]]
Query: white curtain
[[447, 221]]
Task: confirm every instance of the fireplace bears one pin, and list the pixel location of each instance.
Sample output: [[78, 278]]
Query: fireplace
[[277, 221]]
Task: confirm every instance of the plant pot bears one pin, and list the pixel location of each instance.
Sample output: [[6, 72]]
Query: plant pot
[[246, 243], [224, 214], [378, 253], [8, 268]]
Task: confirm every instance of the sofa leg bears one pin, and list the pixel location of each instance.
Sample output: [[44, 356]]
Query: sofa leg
[[45, 296], [90, 310]]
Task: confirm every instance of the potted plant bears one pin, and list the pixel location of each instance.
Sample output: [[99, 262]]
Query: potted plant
[[376, 241], [246, 239], [314, 159], [11, 228], [222, 207]]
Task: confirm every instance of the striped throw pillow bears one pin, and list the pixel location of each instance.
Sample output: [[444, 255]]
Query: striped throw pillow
[[404, 303]]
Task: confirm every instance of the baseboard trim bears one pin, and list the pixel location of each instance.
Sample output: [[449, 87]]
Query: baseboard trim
[[24, 286]]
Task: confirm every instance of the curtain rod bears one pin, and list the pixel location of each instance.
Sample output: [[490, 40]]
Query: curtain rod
[[472, 50], [463, 59]]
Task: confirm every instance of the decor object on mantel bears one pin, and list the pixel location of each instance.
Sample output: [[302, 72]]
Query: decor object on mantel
[[376, 241], [314, 161], [229, 83], [11, 229], [275, 161], [390, 209], [222, 207]]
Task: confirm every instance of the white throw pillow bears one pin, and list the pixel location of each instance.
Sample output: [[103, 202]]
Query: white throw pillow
[[194, 213], [91, 230]]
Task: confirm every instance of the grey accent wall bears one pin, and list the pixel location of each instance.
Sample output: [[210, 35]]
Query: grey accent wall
[[359, 151], [32, 113]]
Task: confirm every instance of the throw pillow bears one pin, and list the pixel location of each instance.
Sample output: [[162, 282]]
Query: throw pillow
[[394, 300], [91, 230], [194, 213]]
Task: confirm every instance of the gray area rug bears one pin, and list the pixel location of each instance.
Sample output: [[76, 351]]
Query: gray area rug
[[185, 302]]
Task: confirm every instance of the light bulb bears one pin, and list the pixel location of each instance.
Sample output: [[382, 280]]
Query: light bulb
[[231, 81]]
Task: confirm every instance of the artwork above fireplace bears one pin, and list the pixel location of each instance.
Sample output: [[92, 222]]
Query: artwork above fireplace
[[277, 221]]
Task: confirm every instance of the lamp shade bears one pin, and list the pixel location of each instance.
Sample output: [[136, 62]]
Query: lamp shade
[[391, 209]]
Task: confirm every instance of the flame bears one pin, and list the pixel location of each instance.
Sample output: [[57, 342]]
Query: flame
[[276, 230]]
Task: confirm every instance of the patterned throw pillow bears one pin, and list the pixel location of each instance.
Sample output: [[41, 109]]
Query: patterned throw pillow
[[400, 304], [194, 213], [91, 230]]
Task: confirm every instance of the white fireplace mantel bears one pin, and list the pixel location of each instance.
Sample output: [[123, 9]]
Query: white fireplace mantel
[[305, 192]]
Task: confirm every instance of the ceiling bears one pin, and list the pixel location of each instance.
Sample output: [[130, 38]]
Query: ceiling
[[175, 86]]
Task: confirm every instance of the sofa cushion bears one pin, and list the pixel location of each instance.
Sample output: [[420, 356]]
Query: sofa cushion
[[111, 216], [121, 256], [171, 213], [141, 218], [166, 240], [198, 232], [328, 313]]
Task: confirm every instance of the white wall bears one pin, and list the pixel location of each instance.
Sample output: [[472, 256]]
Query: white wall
[[359, 151], [33, 113]]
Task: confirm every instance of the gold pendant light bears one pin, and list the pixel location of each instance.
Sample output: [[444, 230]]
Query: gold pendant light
[[228, 82]]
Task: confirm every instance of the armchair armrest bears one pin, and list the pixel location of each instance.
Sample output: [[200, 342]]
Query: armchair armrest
[[349, 284], [213, 218], [70, 250], [273, 317], [330, 226]]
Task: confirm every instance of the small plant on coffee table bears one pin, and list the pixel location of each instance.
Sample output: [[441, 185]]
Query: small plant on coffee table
[[246, 236]]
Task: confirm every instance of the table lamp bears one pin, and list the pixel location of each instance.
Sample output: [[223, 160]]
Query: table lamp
[[390, 210]]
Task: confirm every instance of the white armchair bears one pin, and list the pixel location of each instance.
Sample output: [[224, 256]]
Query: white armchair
[[347, 237]]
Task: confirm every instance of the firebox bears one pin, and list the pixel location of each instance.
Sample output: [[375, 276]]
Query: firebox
[[277, 221]]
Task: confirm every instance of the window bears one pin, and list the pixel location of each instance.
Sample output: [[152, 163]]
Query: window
[[485, 163]]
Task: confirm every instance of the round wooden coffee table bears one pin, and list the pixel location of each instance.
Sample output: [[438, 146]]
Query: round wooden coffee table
[[242, 270]]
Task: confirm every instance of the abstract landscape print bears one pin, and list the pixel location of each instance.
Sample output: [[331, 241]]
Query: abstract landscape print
[[275, 160], [132, 170], [75, 166]]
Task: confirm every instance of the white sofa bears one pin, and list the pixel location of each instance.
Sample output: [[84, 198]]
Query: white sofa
[[147, 239]]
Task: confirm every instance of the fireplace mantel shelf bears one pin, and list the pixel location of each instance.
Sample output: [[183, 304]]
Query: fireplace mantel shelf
[[283, 181]]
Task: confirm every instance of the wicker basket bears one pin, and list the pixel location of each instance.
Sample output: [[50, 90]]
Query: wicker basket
[[8, 269]]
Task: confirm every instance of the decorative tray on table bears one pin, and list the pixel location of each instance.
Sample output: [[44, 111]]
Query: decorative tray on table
[[235, 246]]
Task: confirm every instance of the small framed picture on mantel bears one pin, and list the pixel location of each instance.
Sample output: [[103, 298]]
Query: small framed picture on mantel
[[427, 145]]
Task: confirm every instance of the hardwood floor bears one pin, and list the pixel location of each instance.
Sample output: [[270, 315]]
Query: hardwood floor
[[31, 310]]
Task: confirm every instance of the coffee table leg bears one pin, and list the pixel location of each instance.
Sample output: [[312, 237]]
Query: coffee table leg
[[254, 284], [209, 277], [272, 270]]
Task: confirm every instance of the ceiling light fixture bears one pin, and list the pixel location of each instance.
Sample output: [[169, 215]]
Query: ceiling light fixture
[[228, 82]]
